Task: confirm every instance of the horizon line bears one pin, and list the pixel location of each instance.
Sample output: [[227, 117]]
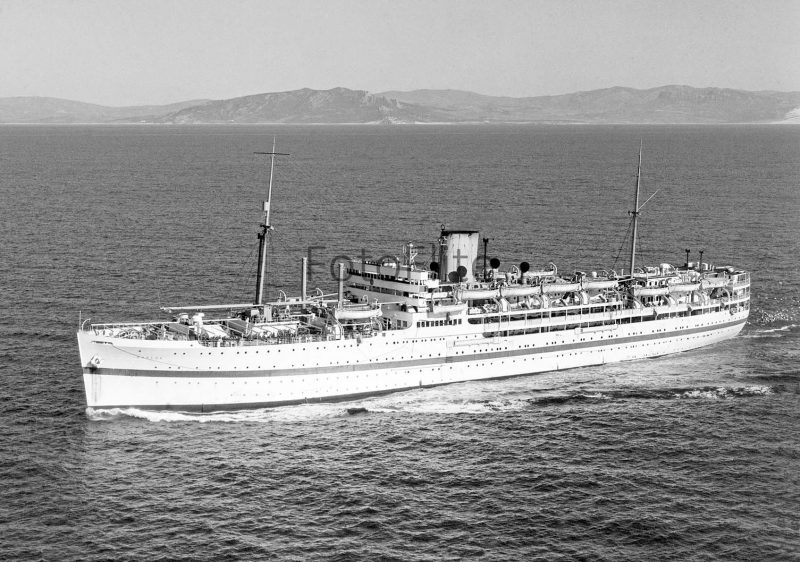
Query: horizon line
[[202, 100]]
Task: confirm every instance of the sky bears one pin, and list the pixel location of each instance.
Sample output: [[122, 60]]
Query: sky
[[137, 52]]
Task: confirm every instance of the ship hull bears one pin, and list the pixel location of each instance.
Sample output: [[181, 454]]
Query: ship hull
[[192, 377]]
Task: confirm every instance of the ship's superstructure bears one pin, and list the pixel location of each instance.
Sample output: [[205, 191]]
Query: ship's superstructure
[[395, 324]]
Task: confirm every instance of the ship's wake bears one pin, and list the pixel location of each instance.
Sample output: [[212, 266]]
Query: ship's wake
[[701, 393], [689, 376], [773, 332], [261, 415], [467, 400]]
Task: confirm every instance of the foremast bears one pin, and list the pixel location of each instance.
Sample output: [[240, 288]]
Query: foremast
[[636, 210], [265, 228]]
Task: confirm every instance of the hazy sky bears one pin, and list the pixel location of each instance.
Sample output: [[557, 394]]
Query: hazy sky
[[131, 52]]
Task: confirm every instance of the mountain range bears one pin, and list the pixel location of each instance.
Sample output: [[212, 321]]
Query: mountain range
[[666, 104]]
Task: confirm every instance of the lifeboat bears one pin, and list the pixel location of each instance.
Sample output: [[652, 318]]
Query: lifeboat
[[714, 282], [683, 288], [519, 291], [560, 288], [358, 312], [599, 284], [456, 308], [650, 291], [474, 294]]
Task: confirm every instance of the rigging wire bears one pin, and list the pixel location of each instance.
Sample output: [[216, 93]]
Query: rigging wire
[[649, 198], [269, 281], [643, 247], [622, 246], [246, 268]]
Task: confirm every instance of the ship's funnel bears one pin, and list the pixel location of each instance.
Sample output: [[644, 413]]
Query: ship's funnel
[[458, 250]]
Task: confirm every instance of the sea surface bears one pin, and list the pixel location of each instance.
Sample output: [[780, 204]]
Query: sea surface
[[694, 456]]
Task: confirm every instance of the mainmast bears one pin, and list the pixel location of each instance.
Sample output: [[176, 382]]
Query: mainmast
[[635, 212], [266, 227]]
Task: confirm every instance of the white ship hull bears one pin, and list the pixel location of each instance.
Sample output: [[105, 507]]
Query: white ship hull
[[401, 325], [186, 375]]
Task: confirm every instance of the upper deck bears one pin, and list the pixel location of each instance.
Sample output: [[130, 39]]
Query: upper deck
[[394, 295]]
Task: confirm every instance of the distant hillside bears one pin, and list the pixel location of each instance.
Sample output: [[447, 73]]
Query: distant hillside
[[666, 104], [338, 105], [54, 110]]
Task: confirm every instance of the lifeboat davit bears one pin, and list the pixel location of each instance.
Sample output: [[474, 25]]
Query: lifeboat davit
[[537, 301], [531, 274], [699, 297]]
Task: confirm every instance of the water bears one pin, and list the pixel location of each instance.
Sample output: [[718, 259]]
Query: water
[[693, 456]]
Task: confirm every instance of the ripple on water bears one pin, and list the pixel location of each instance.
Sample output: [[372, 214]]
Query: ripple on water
[[690, 456]]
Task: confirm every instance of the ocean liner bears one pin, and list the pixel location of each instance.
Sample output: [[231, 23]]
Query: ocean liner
[[395, 324]]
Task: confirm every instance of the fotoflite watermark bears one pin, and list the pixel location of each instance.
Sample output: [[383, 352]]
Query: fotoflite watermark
[[422, 257]]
